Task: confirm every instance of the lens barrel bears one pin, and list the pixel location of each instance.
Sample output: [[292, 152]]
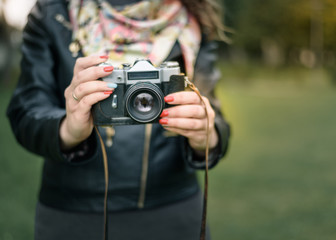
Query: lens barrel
[[144, 102]]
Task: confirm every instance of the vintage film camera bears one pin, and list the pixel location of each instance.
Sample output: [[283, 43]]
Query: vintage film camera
[[139, 97]]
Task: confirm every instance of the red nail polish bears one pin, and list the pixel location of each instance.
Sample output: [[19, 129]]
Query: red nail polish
[[104, 57], [108, 92], [169, 98], [108, 69], [163, 121], [164, 113]]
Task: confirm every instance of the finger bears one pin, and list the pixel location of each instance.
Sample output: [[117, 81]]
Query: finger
[[194, 134], [183, 97], [191, 98], [184, 111], [91, 73], [86, 62], [85, 104], [184, 123], [90, 87]]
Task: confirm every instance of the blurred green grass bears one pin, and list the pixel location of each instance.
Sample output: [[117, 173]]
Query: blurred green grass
[[19, 181], [276, 182], [278, 179]]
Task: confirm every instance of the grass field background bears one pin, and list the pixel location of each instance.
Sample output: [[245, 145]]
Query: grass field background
[[278, 180]]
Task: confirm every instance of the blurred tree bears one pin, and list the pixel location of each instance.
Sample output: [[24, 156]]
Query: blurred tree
[[281, 31], [329, 22], [277, 24]]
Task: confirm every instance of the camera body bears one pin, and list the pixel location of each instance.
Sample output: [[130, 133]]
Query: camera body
[[140, 92]]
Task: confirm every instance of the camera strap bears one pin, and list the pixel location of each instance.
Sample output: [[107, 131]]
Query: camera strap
[[206, 177], [106, 175], [205, 199]]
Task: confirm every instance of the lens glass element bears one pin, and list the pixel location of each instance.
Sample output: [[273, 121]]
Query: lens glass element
[[143, 102]]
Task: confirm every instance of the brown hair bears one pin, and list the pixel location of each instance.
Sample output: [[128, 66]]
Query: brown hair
[[209, 14]]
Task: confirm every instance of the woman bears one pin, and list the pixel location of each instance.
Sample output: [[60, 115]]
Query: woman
[[153, 191]]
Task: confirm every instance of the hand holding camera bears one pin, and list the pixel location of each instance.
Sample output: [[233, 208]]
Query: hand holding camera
[[83, 92], [188, 118]]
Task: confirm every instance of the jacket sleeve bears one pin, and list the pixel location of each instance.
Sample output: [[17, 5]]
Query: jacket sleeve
[[206, 77], [37, 105]]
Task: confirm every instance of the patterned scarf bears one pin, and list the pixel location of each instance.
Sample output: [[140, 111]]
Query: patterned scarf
[[148, 29]]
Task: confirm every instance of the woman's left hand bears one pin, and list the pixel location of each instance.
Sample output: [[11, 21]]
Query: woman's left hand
[[188, 118]]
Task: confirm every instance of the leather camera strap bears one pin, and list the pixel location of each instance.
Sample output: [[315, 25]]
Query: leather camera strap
[[206, 177], [205, 200], [106, 174]]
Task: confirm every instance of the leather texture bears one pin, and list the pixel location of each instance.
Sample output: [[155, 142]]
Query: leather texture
[[75, 180]]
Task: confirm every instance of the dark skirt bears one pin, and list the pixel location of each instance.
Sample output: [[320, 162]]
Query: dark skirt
[[180, 220]]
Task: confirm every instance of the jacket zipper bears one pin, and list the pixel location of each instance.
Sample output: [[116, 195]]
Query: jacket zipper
[[145, 161]]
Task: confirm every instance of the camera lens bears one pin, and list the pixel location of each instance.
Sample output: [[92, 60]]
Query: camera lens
[[144, 102]]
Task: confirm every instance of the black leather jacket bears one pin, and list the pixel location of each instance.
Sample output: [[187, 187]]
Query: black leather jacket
[[75, 180]]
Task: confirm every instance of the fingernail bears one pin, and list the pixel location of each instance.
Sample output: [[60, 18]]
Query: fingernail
[[108, 69], [108, 92], [164, 113], [169, 98], [112, 85], [104, 57], [163, 121]]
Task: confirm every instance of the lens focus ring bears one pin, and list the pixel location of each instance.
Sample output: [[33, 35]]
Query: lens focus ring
[[144, 102]]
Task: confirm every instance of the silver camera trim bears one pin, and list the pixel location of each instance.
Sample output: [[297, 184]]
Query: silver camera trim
[[120, 76]]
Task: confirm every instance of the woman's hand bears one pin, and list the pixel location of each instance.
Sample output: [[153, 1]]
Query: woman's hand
[[83, 92], [188, 119]]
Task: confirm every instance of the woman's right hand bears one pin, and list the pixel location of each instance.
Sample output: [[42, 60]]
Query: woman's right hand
[[84, 91]]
